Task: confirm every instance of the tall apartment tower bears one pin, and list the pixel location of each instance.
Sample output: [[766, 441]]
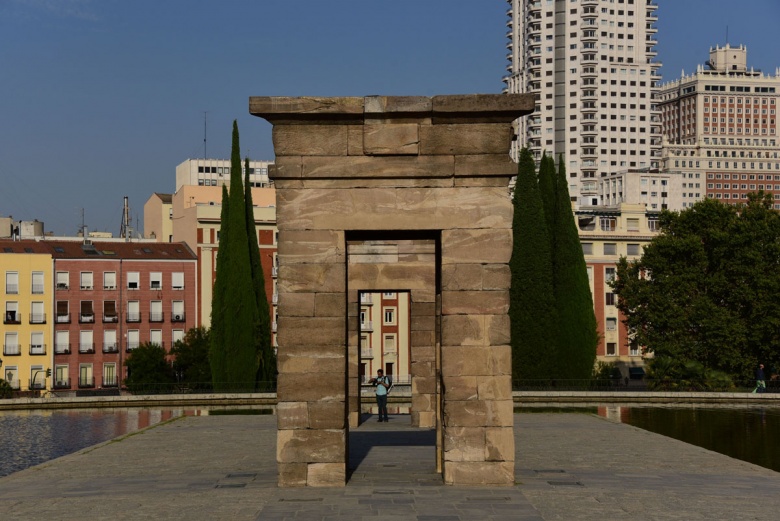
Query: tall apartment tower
[[720, 129], [591, 63]]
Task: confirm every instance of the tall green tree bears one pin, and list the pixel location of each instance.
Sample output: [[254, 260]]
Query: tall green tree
[[235, 337], [705, 289], [191, 358], [148, 369], [576, 328], [218, 355], [265, 355], [532, 304]]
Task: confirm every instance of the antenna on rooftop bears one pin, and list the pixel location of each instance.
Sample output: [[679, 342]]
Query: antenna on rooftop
[[205, 132], [727, 35]]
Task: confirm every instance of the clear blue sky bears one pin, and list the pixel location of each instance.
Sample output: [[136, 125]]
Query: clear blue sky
[[103, 98]]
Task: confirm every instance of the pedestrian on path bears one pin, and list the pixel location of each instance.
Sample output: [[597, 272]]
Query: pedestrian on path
[[382, 384], [760, 380]]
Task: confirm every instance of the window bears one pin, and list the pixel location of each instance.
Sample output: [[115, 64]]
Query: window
[[37, 282], [62, 280], [109, 311], [611, 349], [156, 311], [611, 324], [12, 313], [389, 315], [61, 342], [177, 311], [86, 314], [177, 335], [86, 379], [388, 295], [155, 337], [133, 280], [609, 299], [63, 316], [109, 375], [109, 341], [155, 280], [177, 280], [609, 274], [587, 248], [11, 344], [389, 345], [61, 377], [37, 347], [133, 311], [610, 248], [133, 337], [632, 249], [632, 224], [37, 377], [37, 313], [11, 282], [109, 280], [86, 342], [86, 280]]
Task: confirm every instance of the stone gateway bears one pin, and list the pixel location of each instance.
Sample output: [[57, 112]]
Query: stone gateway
[[394, 194]]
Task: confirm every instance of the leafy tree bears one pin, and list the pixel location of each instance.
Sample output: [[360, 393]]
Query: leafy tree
[[532, 303], [706, 288], [148, 369], [265, 355], [191, 358], [5, 389], [234, 338]]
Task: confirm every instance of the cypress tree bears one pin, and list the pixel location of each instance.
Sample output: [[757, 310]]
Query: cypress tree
[[216, 353], [532, 302], [577, 331], [547, 182], [241, 317], [266, 360]]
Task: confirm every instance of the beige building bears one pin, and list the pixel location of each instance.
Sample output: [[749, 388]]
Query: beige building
[[592, 66], [384, 336], [720, 129], [193, 214]]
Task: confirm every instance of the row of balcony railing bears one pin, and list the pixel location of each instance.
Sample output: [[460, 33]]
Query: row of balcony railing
[[62, 286], [12, 317], [89, 348], [16, 349]]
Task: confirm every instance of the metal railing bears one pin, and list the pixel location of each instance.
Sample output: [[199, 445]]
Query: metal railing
[[62, 318], [86, 347], [61, 349], [133, 316], [110, 318], [178, 316], [11, 350], [85, 318], [156, 316], [110, 347], [37, 349], [37, 318], [61, 384], [86, 382]]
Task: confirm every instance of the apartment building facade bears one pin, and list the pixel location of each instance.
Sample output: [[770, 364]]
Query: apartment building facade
[[720, 128], [591, 64], [385, 331], [26, 329]]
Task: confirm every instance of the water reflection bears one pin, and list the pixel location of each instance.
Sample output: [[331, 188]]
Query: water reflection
[[28, 438]]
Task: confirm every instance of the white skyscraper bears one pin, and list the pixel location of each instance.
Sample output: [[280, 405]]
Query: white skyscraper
[[591, 63]]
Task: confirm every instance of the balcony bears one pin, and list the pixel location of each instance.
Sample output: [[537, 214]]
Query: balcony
[[156, 316], [85, 318], [12, 317], [366, 353], [62, 318], [110, 381], [61, 349], [274, 326], [11, 350], [110, 347], [37, 289], [275, 298], [86, 382], [366, 326], [109, 319], [178, 316], [86, 348], [37, 384], [37, 318], [133, 316], [131, 346], [155, 284], [12, 289], [61, 384], [62, 286], [37, 349], [366, 299], [87, 287], [109, 287], [274, 272]]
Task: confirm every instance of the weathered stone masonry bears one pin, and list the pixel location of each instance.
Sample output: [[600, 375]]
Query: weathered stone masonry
[[395, 193]]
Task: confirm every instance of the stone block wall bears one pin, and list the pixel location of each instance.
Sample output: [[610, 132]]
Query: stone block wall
[[395, 164]]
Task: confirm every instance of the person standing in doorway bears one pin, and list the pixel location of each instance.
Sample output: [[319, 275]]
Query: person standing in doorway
[[760, 380], [382, 385]]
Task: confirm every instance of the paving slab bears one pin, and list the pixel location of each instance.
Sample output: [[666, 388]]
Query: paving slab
[[569, 466]]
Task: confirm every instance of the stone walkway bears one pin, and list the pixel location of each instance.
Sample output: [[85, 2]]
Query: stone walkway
[[570, 466]]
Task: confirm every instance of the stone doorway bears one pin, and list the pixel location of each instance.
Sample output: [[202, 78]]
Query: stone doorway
[[353, 171]]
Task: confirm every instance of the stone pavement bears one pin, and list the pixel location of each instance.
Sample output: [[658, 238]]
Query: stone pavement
[[570, 466]]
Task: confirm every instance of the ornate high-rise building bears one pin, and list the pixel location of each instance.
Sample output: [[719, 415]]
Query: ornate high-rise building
[[592, 65]]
